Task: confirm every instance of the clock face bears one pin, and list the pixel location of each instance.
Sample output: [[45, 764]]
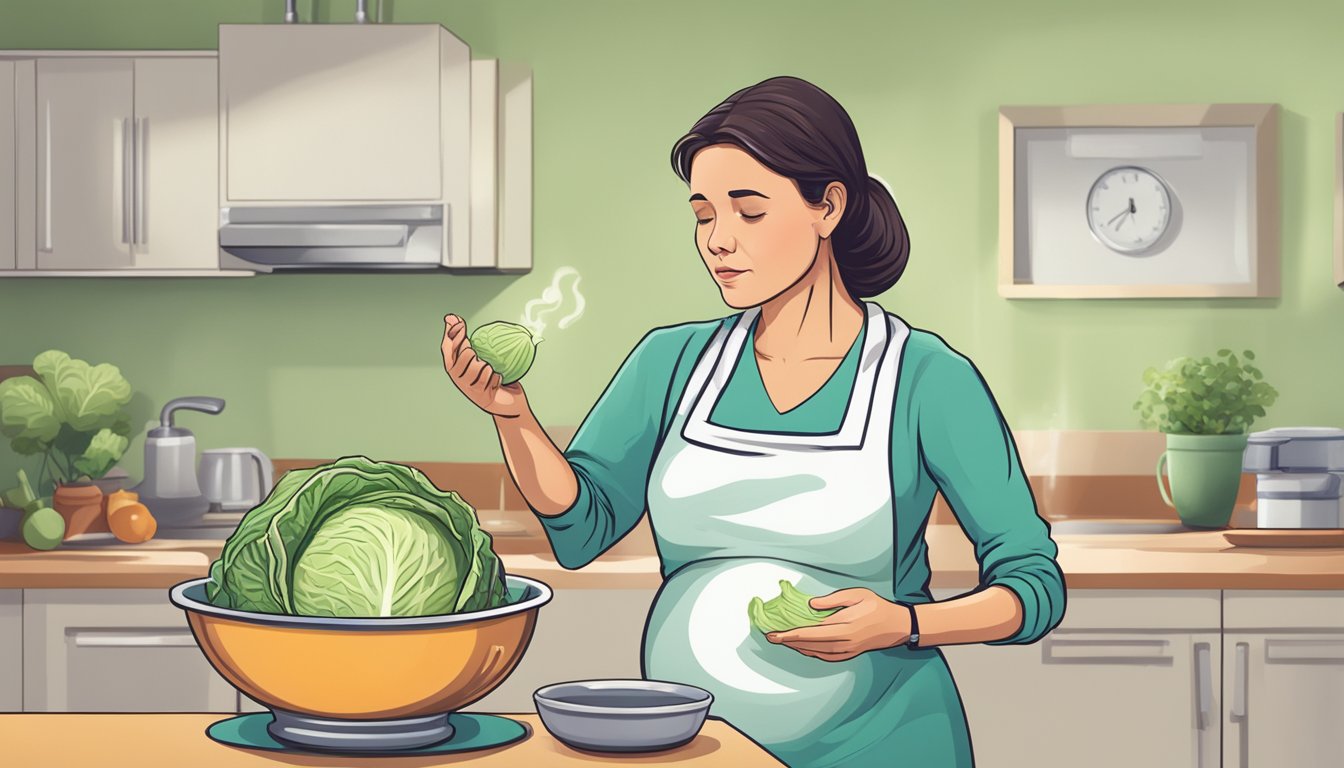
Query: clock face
[[1128, 209]]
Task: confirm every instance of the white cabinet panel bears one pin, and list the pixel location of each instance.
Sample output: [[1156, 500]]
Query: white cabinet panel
[[84, 168], [177, 160], [114, 650], [11, 650], [1151, 698], [8, 151], [332, 112], [1285, 699]]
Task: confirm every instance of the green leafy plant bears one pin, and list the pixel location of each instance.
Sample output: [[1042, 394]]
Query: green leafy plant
[[1205, 396], [358, 538], [71, 413]]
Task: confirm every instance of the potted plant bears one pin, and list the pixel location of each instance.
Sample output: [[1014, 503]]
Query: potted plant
[[72, 415], [1206, 408]]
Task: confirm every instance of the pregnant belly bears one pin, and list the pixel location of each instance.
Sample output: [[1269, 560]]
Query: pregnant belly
[[699, 633]]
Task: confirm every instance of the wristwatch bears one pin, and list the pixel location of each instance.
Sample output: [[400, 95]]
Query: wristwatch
[[913, 640]]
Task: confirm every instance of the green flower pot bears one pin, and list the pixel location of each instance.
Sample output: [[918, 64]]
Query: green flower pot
[[1205, 475]]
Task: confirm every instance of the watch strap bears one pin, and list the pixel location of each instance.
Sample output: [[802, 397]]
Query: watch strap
[[913, 640]]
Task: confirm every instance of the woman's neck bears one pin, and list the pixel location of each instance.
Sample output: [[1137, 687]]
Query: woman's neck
[[815, 318]]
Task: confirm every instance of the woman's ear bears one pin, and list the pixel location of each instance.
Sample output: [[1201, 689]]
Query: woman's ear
[[833, 208]]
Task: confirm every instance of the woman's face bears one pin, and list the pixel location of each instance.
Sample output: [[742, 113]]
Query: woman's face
[[755, 232]]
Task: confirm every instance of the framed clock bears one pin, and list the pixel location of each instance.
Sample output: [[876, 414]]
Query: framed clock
[[1139, 201]]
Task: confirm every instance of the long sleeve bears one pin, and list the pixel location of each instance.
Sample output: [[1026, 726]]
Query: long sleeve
[[611, 454], [968, 449]]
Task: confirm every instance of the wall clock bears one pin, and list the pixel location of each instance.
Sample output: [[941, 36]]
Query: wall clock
[[1137, 201]]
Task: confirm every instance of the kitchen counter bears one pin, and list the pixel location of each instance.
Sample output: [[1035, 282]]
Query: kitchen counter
[[1198, 560], [151, 740]]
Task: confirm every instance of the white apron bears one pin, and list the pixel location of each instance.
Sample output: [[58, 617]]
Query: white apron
[[736, 511]]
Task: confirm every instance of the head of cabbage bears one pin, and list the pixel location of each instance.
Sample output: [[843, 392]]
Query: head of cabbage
[[358, 538]]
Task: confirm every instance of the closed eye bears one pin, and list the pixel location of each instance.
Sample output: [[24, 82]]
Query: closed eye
[[703, 221], [752, 218]]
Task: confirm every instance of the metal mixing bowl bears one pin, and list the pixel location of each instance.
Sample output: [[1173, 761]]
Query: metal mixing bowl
[[368, 683], [623, 715]]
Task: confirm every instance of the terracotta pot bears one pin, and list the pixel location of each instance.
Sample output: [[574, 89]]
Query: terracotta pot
[[81, 504]]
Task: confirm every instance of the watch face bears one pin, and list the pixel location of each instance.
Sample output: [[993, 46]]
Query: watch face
[[1128, 209]]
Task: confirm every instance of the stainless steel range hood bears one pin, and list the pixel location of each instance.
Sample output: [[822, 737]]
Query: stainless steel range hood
[[269, 238]]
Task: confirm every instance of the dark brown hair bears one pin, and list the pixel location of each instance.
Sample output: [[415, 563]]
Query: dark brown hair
[[799, 131]]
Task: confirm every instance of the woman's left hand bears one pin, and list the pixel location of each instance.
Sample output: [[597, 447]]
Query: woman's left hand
[[865, 622]]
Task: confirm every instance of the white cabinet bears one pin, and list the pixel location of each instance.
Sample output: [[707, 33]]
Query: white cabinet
[[177, 154], [1283, 673], [85, 172], [8, 151], [113, 650], [11, 650], [320, 112], [125, 165], [1129, 678]]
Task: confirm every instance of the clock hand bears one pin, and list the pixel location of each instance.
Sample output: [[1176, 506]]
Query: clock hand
[[1122, 221], [1131, 206], [1118, 215]]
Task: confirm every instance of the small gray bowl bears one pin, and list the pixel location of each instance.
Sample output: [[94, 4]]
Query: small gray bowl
[[623, 715]]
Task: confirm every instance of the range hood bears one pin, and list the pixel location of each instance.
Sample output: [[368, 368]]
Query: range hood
[[334, 236], [371, 147]]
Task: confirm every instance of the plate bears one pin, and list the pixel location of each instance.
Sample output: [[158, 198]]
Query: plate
[[1286, 537], [470, 732]]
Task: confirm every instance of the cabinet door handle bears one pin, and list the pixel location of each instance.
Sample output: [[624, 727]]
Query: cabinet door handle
[[1057, 650], [45, 197], [130, 638], [127, 193], [1204, 673], [141, 170], [1240, 672]]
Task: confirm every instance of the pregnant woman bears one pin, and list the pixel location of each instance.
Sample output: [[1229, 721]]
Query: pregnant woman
[[801, 438]]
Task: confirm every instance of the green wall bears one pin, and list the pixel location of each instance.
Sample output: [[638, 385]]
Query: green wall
[[328, 364]]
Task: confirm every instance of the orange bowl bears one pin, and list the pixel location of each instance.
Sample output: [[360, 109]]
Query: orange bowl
[[390, 678]]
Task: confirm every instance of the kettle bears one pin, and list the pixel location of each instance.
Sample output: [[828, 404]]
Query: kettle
[[170, 489]]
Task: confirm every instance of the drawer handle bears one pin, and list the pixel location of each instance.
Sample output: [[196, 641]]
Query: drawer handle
[[152, 638], [1319, 651], [1055, 650]]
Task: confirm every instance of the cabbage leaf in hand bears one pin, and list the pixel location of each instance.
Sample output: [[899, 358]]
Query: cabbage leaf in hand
[[789, 610], [358, 538]]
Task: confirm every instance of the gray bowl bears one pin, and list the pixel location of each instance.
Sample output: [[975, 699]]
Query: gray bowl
[[622, 715]]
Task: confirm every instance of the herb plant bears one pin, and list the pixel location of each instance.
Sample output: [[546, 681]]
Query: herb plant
[[1205, 396]]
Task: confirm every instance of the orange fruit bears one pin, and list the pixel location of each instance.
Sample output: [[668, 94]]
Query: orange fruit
[[132, 523]]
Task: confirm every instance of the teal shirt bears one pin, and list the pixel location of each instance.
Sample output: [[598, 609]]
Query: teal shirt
[[947, 434]]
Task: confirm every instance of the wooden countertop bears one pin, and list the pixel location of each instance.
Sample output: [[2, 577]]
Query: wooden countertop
[[174, 740], [1202, 560]]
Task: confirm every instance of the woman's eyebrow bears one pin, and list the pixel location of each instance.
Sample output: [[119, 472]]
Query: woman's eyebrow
[[731, 193]]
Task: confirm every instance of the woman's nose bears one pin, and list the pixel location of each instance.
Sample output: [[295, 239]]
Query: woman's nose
[[721, 240]]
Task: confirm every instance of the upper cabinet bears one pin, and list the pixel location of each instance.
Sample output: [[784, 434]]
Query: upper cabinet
[[336, 112], [364, 146], [116, 159], [7, 165]]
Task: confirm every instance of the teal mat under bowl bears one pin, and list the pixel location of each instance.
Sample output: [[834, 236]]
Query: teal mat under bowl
[[470, 732]]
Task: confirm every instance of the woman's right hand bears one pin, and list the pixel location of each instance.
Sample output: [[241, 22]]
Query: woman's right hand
[[475, 378]]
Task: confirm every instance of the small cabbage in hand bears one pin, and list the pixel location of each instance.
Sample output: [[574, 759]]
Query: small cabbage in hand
[[358, 538], [508, 348], [789, 610]]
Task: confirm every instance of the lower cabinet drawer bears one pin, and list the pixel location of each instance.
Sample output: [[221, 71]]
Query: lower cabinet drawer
[[114, 650]]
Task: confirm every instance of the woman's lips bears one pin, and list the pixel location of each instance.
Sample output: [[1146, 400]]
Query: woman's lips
[[724, 273]]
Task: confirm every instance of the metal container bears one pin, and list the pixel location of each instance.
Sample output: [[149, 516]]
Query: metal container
[[623, 715]]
